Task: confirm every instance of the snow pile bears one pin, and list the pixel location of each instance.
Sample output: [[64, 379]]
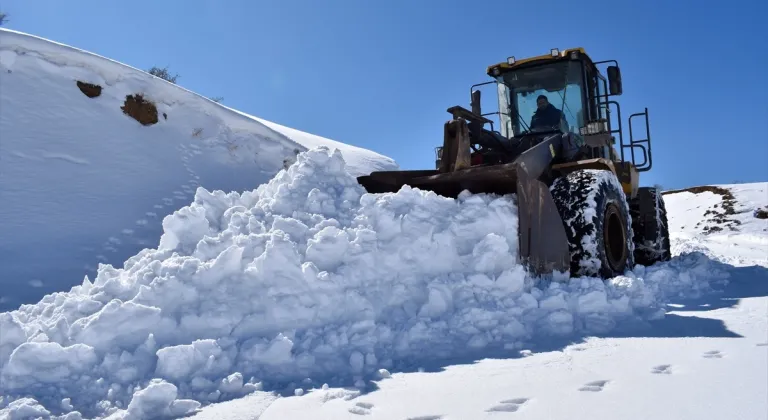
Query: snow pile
[[305, 277]]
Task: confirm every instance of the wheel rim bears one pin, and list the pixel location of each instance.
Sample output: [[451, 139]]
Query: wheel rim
[[614, 238]]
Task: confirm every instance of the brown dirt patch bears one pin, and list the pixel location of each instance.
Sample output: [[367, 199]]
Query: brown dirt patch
[[718, 214], [140, 109], [90, 90]]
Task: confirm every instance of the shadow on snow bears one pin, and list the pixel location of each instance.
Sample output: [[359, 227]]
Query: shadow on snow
[[743, 282]]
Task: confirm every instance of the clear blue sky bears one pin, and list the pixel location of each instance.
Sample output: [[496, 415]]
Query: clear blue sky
[[380, 74]]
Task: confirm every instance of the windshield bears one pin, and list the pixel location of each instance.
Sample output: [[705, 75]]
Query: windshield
[[519, 90]]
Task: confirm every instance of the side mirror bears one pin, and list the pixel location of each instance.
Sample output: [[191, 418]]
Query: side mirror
[[475, 102], [614, 80]]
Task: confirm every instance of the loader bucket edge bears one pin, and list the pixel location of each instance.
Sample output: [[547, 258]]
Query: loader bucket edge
[[499, 180], [544, 246]]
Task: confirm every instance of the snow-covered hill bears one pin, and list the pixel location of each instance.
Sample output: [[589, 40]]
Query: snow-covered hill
[[726, 222], [83, 183], [312, 299]]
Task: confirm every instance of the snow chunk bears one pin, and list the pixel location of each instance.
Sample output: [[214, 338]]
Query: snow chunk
[[24, 408], [182, 361], [158, 399], [46, 363], [232, 383]]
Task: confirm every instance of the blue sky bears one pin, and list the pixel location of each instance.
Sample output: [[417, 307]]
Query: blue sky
[[380, 74]]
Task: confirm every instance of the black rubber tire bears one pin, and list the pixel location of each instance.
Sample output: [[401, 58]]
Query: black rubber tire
[[592, 203], [651, 230]]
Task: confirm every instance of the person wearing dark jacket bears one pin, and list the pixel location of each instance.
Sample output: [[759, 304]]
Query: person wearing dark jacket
[[546, 114]]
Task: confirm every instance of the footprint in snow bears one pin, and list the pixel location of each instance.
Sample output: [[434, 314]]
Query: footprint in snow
[[425, 418], [594, 386], [361, 408], [714, 354], [509, 406], [762, 344], [666, 369]]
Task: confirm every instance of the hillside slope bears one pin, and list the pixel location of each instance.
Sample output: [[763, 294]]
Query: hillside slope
[[728, 222], [83, 183]]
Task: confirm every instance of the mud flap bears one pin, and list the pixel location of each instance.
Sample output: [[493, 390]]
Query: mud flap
[[543, 241]]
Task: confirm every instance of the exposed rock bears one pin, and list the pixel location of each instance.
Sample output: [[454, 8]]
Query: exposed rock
[[90, 90], [140, 109]]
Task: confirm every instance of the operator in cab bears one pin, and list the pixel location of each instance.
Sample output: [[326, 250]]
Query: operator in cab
[[546, 115]]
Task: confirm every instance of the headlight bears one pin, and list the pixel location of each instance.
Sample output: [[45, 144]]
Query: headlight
[[595, 127], [555, 52]]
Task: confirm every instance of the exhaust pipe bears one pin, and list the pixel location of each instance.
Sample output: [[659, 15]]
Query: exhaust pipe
[[475, 102]]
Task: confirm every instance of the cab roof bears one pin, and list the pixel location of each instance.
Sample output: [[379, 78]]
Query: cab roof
[[505, 66]]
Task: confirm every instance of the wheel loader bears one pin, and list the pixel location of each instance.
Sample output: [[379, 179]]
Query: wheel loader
[[581, 209]]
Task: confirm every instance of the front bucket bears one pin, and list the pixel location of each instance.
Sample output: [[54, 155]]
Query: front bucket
[[499, 179], [544, 244]]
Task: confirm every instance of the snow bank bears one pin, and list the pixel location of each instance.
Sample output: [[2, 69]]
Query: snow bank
[[305, 277]]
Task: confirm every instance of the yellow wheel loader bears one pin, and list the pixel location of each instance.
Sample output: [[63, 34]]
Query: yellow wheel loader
[[581, 209]]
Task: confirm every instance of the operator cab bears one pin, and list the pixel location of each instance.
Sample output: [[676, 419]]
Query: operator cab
[[571, 83], [520, 88], [576, 89]]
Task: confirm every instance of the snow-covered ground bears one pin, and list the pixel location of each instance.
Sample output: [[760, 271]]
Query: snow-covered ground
[[81, 183], [706, 358], [404, 305], [298, 296]]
